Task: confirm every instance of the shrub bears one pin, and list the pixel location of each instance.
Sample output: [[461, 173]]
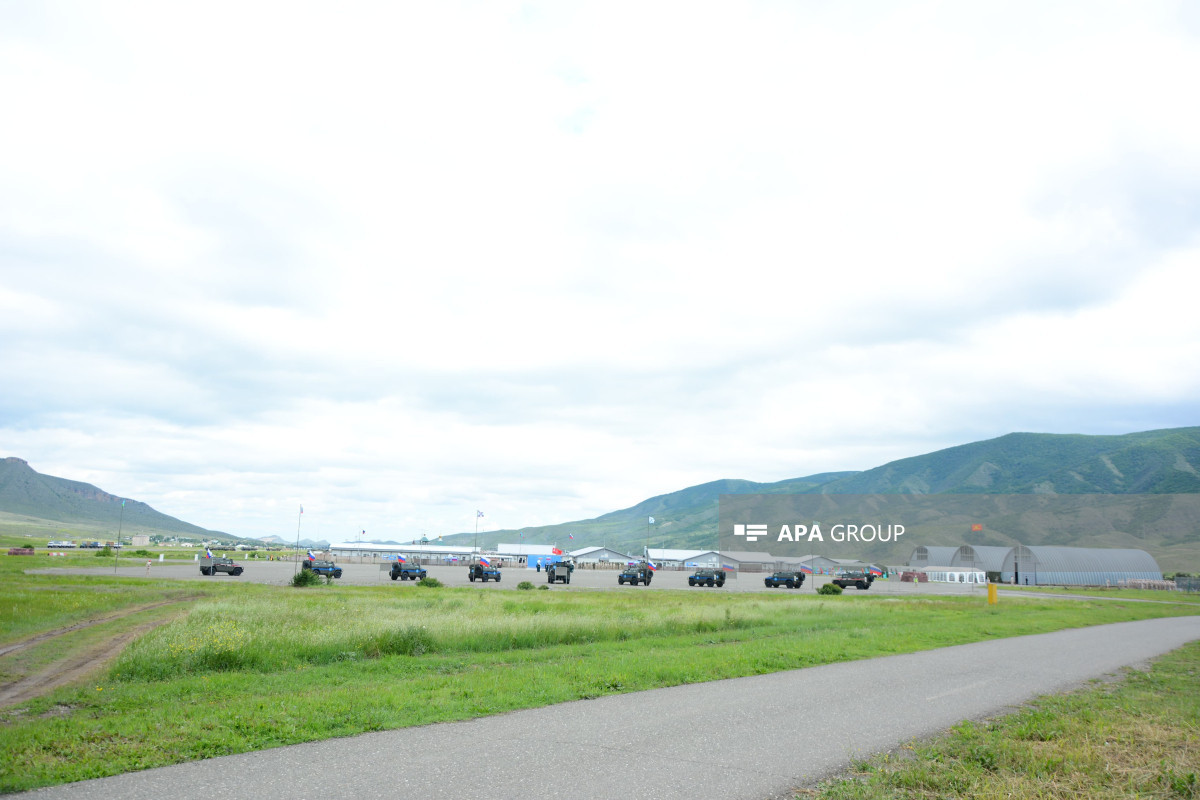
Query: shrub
[[525, 585], [104, 553], [544, 588], [142, 552], [830, 588], [306, 577], [429, 583]]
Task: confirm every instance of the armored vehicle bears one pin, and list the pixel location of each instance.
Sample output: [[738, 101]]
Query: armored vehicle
[[559, 571], [792, 580], [635, 574], [707, 577], [407, 571], [323, 567], [859, 580], [211, 566], [483, 572]]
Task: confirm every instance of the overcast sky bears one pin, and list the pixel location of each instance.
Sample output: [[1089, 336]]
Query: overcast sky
[[398, 262]]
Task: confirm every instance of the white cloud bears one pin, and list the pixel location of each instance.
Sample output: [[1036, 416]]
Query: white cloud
[[406, 261]]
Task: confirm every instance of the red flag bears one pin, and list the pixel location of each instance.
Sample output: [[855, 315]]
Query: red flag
[[556, 551], [978, 526]]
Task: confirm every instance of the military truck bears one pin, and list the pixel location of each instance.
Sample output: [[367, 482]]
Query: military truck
[[859, 580], [483, 572], [792, 580], [322, 567], [211, 566], [407, 571], [559, 571], [707, 577], [636, 573]]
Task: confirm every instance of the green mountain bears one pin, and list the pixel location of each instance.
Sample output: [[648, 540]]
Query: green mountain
[[71, 507], [1151, 462]]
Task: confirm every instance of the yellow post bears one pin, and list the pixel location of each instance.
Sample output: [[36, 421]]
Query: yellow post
[[991, 594]]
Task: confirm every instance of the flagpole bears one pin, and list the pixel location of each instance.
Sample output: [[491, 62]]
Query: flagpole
[[117, 549], [298, 518]]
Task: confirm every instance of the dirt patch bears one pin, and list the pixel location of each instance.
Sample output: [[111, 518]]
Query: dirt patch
[[79, 665]]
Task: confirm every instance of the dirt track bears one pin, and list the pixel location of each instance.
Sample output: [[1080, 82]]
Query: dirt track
[[78, 665]]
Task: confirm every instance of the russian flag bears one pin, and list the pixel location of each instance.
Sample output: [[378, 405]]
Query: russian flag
[[209, 551], [653, 568], [484, 561], [876, 571], [311, 557], [727, 568], [806, 569], [402, 559]]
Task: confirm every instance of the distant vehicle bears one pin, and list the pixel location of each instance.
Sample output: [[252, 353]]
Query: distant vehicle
[[323, 567], [483, 572], [60, 545], [635, 574], [559, 571], [859, 580], [707, 577], [792, 580], [407, 571], [211, 566]]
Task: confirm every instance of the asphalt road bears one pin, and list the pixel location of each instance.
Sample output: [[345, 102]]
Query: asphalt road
[[752, 738]]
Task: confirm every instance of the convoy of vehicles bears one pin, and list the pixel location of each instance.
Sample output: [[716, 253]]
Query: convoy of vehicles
[[211, 566], [707, 577]]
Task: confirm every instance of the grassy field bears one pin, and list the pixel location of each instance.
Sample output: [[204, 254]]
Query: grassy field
[[1139, 737], [253, 666]]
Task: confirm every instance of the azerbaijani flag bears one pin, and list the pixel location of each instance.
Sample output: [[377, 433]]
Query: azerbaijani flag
[[806, 569], [876, 571], [484, 561], [401, 559]]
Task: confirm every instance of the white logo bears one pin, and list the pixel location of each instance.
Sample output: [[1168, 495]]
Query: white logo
[[751, 532]]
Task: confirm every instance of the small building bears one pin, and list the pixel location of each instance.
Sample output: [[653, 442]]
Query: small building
[[600, 555]]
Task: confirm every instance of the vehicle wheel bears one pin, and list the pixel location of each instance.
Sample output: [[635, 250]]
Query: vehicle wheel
[[567, 579], [691, 581], [471, 577], [790, 584], [497, 579], [237, 572], [712, 584], [393, 577], [860, 585], [620, 581]]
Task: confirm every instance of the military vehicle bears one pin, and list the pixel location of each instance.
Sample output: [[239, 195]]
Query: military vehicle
[[483, 572], [322, 567], [707, 577], [636, 573], [792, 580], [559, 571], [407, 571], [211, 566], [859, 580]]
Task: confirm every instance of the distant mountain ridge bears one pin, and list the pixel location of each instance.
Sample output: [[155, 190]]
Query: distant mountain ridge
[[28, 492], [1151, 462]]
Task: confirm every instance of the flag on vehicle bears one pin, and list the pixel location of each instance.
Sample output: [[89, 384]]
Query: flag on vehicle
[[727, 568], [208, 550], [650, 564], [311, 557], [484, 561], [806, 569], [401, 559], [876, 571]]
